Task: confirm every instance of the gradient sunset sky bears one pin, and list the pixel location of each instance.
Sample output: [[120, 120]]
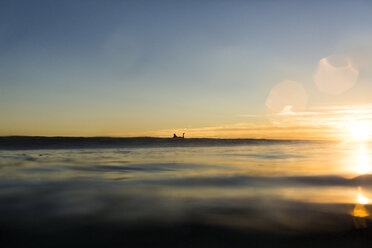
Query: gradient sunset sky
[[249, 69]]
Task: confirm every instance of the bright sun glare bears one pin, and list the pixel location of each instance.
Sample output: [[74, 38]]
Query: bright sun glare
[[360, 131]]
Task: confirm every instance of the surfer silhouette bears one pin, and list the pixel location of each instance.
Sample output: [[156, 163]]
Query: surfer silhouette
[[176, 137]]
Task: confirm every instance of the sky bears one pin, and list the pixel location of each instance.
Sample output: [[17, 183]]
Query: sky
[[239, 69]]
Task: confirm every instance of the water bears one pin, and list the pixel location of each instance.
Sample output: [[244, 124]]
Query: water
[[257, 195]]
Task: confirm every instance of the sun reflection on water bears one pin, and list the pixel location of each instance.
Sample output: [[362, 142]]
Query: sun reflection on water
[[361, 198], [360, 212]]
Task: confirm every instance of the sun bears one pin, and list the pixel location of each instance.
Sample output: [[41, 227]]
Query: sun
[[360, 131]]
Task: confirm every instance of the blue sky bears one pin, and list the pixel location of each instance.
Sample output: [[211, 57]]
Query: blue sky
[[122, 67]]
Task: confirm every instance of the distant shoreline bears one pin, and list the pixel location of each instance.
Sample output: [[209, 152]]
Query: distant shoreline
[[60, 142]]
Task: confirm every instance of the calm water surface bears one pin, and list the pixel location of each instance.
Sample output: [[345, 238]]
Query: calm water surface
[[186, 196]]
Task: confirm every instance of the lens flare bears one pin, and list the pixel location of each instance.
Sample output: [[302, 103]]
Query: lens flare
[[335, 74], [287, 96]]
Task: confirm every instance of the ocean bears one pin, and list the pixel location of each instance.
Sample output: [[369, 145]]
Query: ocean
[[152, 192]]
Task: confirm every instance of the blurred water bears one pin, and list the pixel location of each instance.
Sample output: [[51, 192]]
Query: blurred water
[[287, 189]]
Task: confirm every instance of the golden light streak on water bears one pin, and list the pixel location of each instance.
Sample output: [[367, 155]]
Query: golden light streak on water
[[360, 212]]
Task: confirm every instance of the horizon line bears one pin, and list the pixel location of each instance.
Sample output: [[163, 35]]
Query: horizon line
[[157, 137]]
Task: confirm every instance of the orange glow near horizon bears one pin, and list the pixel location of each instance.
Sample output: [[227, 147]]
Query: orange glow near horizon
[[348, 123], [340, 123]]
